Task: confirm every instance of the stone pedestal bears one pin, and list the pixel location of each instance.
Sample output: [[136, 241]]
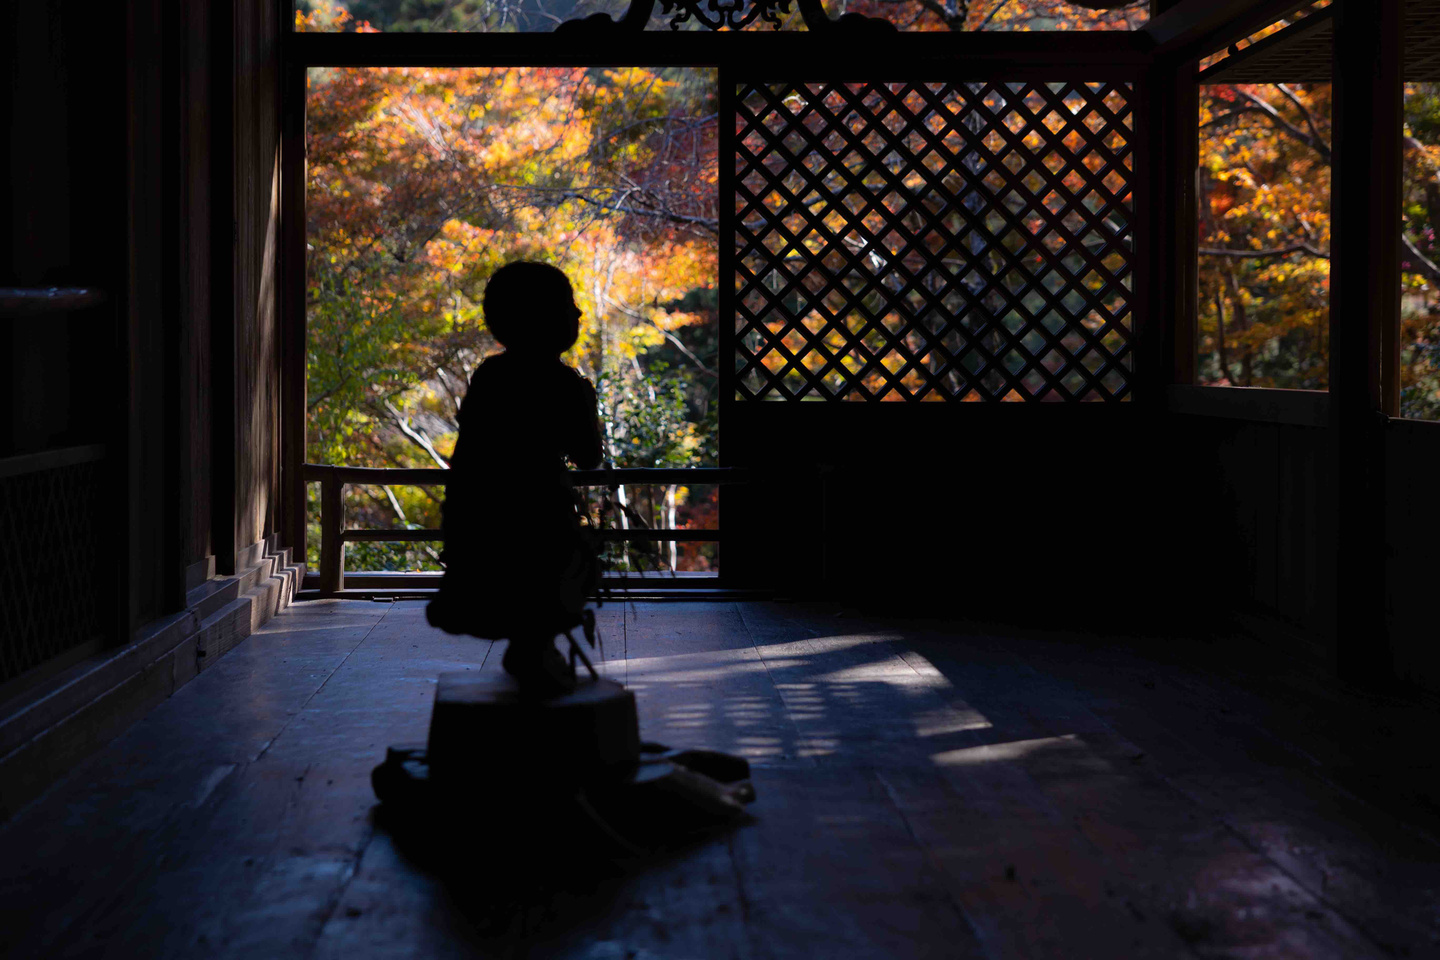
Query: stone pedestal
[[484, 735]]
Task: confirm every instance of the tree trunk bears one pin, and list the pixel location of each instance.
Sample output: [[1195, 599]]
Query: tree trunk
[[1220, 334], [1242, 323], [672, 518]]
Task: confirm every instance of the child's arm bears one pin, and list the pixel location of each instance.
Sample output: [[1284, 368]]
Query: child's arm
[[584, 448]]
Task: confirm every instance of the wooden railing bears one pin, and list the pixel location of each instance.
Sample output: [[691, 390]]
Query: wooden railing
[[334, 536]]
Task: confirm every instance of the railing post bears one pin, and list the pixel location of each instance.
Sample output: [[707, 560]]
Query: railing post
[[332, 548]]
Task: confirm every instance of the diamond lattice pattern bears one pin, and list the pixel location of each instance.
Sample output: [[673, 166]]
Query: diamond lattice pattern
[[933, 241], [50, 574]]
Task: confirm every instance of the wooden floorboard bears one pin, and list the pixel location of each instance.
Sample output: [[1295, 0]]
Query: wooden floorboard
[[924, 790]]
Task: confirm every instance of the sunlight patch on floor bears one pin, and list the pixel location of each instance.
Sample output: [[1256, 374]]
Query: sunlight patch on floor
[[836, 693], [1014, 750]]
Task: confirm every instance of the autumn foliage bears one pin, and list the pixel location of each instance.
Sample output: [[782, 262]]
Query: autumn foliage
[[1264, 279], [1419, 253], [1264, 206], [421, 182]]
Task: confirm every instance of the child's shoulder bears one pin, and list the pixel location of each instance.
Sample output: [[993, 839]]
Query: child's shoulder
[[507, 366]]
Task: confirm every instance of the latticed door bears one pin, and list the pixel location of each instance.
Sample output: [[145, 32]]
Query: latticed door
[[933, 241]]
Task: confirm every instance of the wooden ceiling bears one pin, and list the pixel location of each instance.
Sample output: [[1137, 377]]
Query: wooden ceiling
[[1301, 53]]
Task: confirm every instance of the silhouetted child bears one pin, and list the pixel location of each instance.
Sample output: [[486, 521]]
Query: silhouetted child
[[517, 564]]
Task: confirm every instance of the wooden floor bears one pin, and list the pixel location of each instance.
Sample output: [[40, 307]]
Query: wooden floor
[[924, 791]]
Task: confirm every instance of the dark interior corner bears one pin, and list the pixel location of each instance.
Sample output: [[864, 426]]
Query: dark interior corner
[[1075, 590]]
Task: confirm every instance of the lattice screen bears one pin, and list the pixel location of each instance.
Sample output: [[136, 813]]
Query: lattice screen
[[933, 241], [50, 568]]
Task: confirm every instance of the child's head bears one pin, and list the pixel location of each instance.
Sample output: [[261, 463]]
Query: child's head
[[530, 307]]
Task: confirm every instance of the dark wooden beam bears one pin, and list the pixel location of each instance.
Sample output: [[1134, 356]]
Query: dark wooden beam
[[1301, 408], [767, 55], [1364, 292]]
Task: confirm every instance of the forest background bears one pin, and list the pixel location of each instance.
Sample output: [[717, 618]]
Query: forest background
[[421, 182]]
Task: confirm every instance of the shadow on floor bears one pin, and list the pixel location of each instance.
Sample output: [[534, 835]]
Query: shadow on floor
[[538, 868]]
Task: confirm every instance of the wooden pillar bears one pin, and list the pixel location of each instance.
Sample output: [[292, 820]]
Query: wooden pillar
[[153, 562], [292, 306], [1174, 148], [223, 234], [1364, 299], [1148, 322]]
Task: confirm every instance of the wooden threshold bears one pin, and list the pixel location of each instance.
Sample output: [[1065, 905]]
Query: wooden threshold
[[1302, 408]]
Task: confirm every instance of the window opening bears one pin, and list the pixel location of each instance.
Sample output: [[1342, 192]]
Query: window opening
[[1419, 342], [420, 183], [1263, 203], [1264, 256]]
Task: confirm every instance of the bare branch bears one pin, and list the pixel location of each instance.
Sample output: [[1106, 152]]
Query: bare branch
[[955, 20], [712, 225], [1301, 247], [395, 505], [991, 15], [1315, 143], [1304, 110], [415, 436], [679, 345], [1428, 267]]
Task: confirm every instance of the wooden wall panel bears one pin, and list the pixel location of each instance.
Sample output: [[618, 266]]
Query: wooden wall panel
[[1413, 549], [1252, 507], [1035, 510], [64, 202]]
